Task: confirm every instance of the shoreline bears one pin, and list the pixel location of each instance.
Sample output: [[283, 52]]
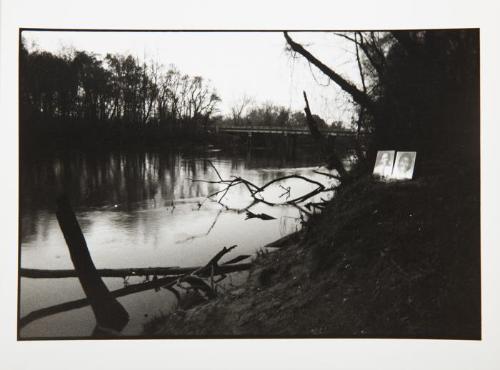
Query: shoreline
[[366, 267]]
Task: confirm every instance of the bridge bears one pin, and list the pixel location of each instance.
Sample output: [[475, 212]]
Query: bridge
[[249, 130]]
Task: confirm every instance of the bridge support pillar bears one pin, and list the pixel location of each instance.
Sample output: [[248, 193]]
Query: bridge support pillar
[[291, 143], [294, 144], [249, 139]]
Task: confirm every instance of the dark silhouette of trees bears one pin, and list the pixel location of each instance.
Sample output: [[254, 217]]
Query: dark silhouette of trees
[[419, 91], [85, 96], [244, 113]]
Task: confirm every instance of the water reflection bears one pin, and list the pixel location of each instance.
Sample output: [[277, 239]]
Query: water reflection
[[142, 210]]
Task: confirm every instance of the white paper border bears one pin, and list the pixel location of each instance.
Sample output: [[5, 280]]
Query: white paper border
[[251, 354]]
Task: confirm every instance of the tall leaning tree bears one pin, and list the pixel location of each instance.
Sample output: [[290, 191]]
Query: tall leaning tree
[[423, 93], [361, 97]]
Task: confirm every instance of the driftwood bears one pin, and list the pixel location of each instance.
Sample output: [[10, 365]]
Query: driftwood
[[139, 271], [256, 191], [108, 311], [213, 264], [193, 237], [180, 274], [110, 314], [262, 216]]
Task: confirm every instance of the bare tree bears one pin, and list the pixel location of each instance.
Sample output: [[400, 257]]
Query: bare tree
[[239, 107]]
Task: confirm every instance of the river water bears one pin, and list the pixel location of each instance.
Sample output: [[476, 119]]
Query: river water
[[143, 209]]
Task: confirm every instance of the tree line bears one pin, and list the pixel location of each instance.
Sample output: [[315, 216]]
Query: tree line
[[116, 97], [246, 112], [115, 94], [419, 91]]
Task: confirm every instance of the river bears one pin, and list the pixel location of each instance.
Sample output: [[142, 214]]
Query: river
[[143, 209]]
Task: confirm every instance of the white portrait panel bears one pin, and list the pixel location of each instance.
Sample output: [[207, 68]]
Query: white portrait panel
[[404, 165], [384, 163]]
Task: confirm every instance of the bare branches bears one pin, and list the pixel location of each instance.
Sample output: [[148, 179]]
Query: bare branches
[[255, 191], [191, 275], [239, 107], [262, 216], [358, 60], [359, 97], [287, 192], [327, 175], [370, 49], [215, 169]]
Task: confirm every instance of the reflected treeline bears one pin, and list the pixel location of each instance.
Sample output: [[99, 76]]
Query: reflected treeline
[[133, 180]]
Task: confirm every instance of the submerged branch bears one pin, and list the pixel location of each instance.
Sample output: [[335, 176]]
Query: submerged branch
[[204, 234], [180, 274], [255, 191], [327, 175], [79, 303]]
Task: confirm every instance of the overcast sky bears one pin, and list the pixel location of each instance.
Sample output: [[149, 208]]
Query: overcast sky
[[255, 64]]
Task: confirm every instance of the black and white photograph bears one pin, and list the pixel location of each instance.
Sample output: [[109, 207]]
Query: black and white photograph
[[163, 196], [384, 163], [404, 165], [186, 186]]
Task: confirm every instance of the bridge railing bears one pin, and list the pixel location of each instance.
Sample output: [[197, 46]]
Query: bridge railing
[[277, 129]]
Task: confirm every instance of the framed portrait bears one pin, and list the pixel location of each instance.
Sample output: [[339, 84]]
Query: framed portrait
[[404, 165], [384, 163]]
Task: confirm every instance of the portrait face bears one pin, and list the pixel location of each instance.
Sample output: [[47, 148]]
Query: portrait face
[[384, 160], [405, 163], [384, 163]]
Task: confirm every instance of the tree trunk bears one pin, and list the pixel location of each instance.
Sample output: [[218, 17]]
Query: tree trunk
[[108, 311], [327, 146]]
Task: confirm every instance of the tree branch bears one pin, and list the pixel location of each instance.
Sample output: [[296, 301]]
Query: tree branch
[[357, 95]]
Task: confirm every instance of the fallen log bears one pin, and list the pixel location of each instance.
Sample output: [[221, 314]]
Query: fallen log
[[213, 264], [165, 282], [122, 273]]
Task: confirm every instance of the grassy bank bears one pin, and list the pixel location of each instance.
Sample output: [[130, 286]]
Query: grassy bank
[[398, 259]]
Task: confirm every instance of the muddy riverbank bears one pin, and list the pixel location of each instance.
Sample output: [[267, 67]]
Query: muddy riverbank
[[398, 260]]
